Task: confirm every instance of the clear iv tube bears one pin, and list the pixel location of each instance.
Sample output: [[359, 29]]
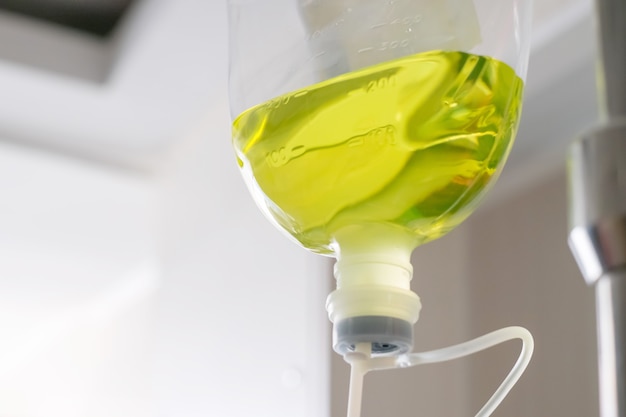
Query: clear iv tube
[[361, 362]]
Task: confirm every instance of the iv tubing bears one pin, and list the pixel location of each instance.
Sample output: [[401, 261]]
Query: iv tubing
[[361, 363], [358, 369]]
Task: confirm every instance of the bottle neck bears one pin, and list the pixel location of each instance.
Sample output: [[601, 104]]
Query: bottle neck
[[374, 255], [373, 302]]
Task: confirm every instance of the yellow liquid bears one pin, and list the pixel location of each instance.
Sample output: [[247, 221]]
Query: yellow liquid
[[408, 145]]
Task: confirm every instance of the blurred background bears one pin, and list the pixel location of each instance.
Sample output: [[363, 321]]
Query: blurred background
[[137, 277]]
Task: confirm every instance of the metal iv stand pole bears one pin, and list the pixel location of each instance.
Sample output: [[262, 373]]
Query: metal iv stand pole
[[597, 208]]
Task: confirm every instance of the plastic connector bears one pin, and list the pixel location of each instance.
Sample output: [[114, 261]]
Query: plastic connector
[[373, 302]]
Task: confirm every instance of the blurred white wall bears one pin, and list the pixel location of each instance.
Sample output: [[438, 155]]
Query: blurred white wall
[[166, 294], [78, 271]]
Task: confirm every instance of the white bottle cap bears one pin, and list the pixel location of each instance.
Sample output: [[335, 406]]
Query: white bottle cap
[[373, 301]]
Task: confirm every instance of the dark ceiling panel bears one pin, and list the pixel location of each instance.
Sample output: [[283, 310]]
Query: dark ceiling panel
[[97, 17]]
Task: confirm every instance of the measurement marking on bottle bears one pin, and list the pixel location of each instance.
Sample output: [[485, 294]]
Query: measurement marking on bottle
[[381, 83], [380, 136], [283, 155], [405, 21], [281, 101], [401, 43]]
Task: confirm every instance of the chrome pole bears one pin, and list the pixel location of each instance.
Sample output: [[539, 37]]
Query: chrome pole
[[611, 15], [598, 241], [597, 207]]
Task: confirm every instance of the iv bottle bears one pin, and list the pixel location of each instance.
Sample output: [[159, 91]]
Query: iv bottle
[[365, 128], [390, 128]]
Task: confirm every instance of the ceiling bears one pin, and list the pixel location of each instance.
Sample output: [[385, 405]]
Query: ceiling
[[96, 17], [126, 97]]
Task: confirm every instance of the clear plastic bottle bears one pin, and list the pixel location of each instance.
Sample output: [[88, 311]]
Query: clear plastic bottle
[[365, 128]]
